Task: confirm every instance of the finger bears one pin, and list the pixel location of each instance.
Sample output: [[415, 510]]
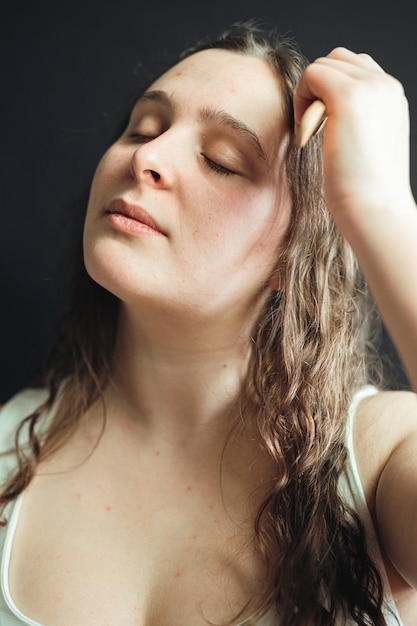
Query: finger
[[326, 79], [361, 59], [371, 61], [355, 70]]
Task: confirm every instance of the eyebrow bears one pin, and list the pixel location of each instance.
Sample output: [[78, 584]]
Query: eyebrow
[[213, 116]]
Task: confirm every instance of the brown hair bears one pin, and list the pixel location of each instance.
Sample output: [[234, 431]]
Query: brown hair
[[310, 353]]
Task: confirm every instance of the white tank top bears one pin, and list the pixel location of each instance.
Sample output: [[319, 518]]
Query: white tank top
[[28, 400]]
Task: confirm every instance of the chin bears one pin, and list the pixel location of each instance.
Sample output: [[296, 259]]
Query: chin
[[103, 270]]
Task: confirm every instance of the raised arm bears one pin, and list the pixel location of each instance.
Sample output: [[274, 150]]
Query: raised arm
[[367, 188]]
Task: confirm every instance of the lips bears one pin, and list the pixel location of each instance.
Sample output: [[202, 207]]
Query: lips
[[120, 207]]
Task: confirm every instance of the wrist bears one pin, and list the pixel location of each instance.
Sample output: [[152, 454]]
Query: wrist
[[374, 219]]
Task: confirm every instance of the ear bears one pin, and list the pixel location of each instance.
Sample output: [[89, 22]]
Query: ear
[[275, 281]]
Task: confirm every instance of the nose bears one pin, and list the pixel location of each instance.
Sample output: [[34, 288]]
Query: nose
[[148, 166]]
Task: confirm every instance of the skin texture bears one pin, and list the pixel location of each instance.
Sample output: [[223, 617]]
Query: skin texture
[[189, 297], [222, 229], [190, 291]]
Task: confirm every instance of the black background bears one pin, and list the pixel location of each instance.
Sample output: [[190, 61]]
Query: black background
[[68, 69]]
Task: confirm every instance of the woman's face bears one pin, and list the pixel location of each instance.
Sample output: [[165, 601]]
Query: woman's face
[[189, 206]]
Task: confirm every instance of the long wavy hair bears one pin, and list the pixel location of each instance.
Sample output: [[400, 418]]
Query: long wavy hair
[[310, 352]]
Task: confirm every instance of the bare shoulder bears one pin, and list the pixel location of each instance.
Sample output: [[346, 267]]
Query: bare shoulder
[[384, 420], [382, 423], [385, 441]]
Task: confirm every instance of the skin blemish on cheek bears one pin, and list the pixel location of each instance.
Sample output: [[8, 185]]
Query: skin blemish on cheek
[[177, 574], [189, 488], [178, 73], [157, 453], [108, 508]]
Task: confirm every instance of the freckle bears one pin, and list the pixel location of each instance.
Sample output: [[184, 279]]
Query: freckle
[[177, 574], [78, 496], [108, 508], [157, 453], [59, 598], [212, 505], [194, 537], [178, 73], [189, 488], [224, 365]]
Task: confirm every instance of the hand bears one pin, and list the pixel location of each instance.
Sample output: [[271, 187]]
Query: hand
[[366, 137]]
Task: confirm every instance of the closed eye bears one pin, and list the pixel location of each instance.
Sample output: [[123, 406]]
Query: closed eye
[[216, 167], [137, 137], [219, 169]]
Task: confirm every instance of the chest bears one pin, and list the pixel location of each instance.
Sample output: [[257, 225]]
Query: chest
[[91, 550]]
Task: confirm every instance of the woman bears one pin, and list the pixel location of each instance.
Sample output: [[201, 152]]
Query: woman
[[201, 453]]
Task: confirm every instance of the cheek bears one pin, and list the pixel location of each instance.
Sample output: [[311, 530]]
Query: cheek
[[252, 215], [215, 206], [109, 169], [240, 227], [219, 222], [261, 223]]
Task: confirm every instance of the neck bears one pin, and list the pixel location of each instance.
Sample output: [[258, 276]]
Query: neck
[[179, 378]]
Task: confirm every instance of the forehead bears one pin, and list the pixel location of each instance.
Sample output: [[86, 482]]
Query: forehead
[[243, 86]]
